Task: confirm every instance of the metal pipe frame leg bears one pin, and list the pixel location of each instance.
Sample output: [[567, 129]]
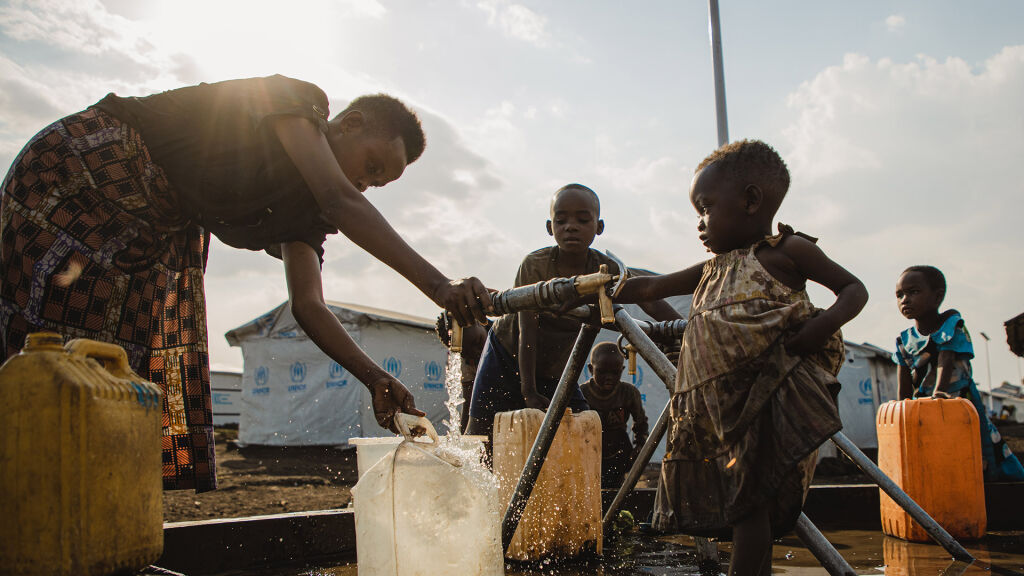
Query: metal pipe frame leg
[[822, 549], [707, 551], [546, 435], [937, 532]]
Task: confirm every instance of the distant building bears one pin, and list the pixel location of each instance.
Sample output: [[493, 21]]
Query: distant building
[[226, 390], [1007, 402]]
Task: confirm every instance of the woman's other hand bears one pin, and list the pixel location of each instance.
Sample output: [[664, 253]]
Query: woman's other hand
[[389, 398]]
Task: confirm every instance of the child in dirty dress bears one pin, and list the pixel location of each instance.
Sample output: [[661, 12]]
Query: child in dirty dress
[[757, 373], [934, 359]]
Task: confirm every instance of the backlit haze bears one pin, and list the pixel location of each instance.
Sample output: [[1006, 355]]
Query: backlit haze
[[901, 122]]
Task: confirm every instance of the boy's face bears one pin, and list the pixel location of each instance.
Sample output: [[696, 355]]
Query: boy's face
[[607, 370], [367, 159], [915, 297], [724, 219], [574, 221]]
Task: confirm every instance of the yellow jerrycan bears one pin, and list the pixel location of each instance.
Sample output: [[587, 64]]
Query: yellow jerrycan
[[931, 448], [563, 516], [80, 487]]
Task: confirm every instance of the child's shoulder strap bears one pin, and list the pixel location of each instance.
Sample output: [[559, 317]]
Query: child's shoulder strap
[[785, 231]]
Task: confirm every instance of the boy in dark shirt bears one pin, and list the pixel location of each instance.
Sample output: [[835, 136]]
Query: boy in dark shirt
[[615, 402], [526, 352]]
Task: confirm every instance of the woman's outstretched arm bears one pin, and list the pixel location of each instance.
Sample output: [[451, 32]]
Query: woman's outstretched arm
[[306, 298], [350, 212]]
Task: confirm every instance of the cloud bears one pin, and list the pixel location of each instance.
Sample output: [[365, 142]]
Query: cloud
[[902, 163], [895, 22], [922, 129], [34, 97], [79, 26], [516, 21], [20, 91]]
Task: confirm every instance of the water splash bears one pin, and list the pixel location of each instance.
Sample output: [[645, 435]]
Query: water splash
[[453, 448]]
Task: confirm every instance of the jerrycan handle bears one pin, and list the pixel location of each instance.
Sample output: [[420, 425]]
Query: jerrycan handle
[[112, 356], [407, 422]]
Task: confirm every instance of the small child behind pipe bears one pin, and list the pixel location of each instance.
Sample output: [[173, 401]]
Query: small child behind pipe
[[615, 402]]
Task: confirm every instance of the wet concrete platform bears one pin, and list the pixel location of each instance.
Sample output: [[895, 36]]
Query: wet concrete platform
[[327, 537]]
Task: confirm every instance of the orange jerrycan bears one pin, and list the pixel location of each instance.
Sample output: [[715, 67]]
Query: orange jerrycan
[[80, 487], [563, 515], [931, 448]]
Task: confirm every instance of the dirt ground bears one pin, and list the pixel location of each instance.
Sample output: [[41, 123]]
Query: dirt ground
[[263, 480]]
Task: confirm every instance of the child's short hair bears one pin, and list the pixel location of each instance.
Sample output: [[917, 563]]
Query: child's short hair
[[390, 117], [932, 275], [753, 162], [581, 188], [604, 348]]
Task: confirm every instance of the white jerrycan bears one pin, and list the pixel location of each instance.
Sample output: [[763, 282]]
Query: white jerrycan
[[421, 512]]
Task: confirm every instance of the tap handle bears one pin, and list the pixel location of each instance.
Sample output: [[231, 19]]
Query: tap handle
[[605, 301], [456, 342]]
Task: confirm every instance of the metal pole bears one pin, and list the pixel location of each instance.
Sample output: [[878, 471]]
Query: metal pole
[[716, 62], [546, 434], [988, 370], [822, 549], [938, 533], [707, 551]]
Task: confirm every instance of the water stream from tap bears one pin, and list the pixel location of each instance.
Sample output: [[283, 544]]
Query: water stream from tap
[[453, 384], [470, 455]]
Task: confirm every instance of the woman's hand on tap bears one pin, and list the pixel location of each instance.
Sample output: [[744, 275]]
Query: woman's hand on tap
[[466, 299]]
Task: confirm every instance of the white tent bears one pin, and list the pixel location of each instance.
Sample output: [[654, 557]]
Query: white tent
[[295, 395], [292, 394]]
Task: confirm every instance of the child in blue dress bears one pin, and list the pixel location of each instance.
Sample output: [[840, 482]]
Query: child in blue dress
[[934, 359]]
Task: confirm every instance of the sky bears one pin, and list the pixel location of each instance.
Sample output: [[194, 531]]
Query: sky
[[901, 123]]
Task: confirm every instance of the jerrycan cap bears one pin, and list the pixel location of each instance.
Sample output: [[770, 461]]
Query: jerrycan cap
[[41, 341]]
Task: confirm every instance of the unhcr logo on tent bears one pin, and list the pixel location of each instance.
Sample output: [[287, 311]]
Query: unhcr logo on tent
[[337, 377], [392, 366], [434, 376], [262, 377], [865, 392], [298, 375]]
